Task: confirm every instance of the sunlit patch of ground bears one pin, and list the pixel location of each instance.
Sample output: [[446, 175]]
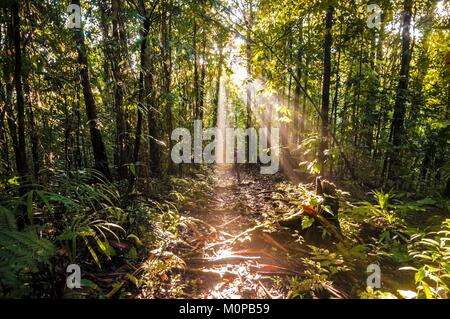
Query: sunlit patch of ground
[[223, 269]]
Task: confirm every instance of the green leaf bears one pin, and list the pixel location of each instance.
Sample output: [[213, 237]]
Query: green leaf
[[92, 252], [14, 181], [427, 290], [102, 246], [307, 222], [420, 275]]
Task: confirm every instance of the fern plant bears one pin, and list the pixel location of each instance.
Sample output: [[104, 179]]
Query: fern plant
[[21, 254], [86, 228], [432, 252]]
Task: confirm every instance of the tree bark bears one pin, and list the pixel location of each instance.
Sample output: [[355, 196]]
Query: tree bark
[[336, 90], [196, 85], [7, 98], [297, 86], [141, 106], [202, 75], [166, 52], [153, 109], [217, 90], [248, 52], [34, 137], [119, 45], [326, 87], [98, 146], [402, 92], [21, 157]]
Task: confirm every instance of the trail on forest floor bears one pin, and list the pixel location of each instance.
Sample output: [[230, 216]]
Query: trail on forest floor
[[236, 245], [234, 269], [237, 251]]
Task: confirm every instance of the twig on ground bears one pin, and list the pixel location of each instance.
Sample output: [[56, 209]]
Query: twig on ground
[[267, 292]]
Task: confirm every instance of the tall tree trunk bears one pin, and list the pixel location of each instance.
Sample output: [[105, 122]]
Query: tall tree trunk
[[402, 93], [326, 87], [357, 98], [305, 86], [4, 154], [166, 51], [248, 52], [20, 150], [9, 88], [196, 84], [141, 106], [344, 115], [202, 75], [217, 90], [119, 46], [21, 157], [297, 86], [34, 137], [153, 110], [98, 146], [336, 90], [78, 136], [378, 71]]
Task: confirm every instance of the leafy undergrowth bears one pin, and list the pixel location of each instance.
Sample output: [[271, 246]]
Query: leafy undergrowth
[[293, 255], [385, 230], [120, 242], [259, 237]]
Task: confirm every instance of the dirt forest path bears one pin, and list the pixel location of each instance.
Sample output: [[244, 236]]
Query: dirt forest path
[[224, 267]]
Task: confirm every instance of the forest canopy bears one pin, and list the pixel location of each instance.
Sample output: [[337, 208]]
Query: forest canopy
[[110, 160]]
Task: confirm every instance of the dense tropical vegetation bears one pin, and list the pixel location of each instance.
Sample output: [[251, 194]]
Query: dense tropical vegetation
[[360, 93]]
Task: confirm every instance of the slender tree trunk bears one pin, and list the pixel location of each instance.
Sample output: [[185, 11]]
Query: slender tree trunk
[[217, 91], [141, 106], [21, 157], [356, 106], [305, 86], [98, 146], [344, 114], [20, 150], [248, 52], [166, 51], [34, 137], [326, 87], [304, 113], [5, 165], [4, 154], [78, 135], [297, 86], [202, 76], [196, 80], [153, 110], [336, 90], [119, 46], [9, 88], [67, 133], [378, 70], [402, 93]]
